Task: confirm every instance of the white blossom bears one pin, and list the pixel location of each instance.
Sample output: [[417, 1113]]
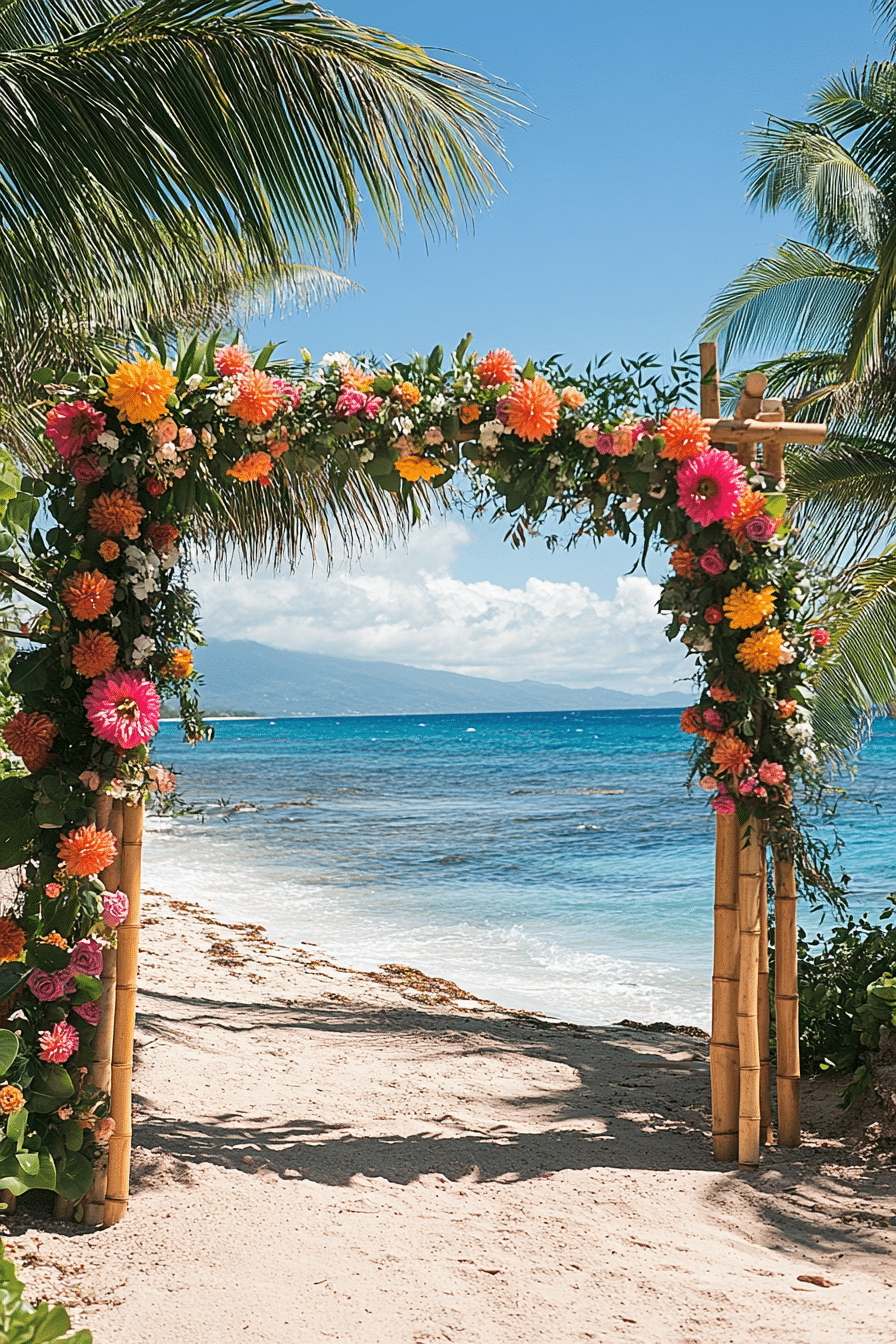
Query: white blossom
[[490, 433], [108, 440], [141, 649], [337, 357], [438, 403]]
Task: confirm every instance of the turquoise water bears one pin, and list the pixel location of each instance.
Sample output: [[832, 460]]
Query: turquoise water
[[549, 861]]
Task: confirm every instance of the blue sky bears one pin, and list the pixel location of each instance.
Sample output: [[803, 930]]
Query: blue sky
[[621, 217]]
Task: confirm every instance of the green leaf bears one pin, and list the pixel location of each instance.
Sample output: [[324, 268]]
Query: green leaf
[[16, 1181], [44, 375], [28, 672], [529, 371], [73, 1135], [776, 505], [9, 1048], [49, 814], [49, 957], [17, 828], [88, 987], [28, 1162], [264, 356], [434, 363], [75, 1178], [17, 1125], [50, 1089]]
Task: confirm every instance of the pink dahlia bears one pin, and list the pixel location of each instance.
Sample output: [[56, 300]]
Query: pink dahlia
[[291, 393], [723, 804], [58, 1045], [710, 485], [770, 772], [349, 402], [712, 563], [72, 426], [123, 708]]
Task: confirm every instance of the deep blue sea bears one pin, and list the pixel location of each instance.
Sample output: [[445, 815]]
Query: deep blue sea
[[548, 861]]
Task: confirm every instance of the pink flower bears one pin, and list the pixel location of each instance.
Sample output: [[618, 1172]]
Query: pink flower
[[589, 436], [710, 485], [762, 527], [502, 409], [760, 791], [713, 615], [115, 908], [47, 986], [232, 360], [90, 779], [104, 1129], [163, 431], [153, 486], [433, 436], [71, 427], [644, 429], [723, 804], [91, 1012], [747, 784], [623, 441], [709, 783], [161, 780], [349, 402], [59, 1044], [65, 1113], [713, 719], [52, 889], [371, 407], [292, 392], [87, 958], [123, 708], [770, 772], [186, 439], [821, 638], [712, 563], [85, 469]]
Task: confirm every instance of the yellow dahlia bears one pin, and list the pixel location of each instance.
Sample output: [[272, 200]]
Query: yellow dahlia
[[407, 394], [88, 595], [532, 409], [745, 607], [12, 939], [257, 400], [139, 390], [116, 512], [761, 651], [31, 737], [418, 468], [686, 434], [253, 467], [94, 654], [181, 664]]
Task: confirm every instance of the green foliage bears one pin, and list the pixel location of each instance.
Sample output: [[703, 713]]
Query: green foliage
[[21, 1324], [847, 994]]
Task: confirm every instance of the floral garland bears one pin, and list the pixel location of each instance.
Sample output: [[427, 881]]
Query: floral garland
[[147, 448]]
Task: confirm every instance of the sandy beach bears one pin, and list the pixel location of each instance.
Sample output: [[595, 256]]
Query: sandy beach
[[322, 1154]]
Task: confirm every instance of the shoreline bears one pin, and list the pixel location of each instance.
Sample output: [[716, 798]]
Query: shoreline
[[325, 1154]]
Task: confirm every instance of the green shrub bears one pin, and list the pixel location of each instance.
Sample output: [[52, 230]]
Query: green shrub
[[20, 1324]]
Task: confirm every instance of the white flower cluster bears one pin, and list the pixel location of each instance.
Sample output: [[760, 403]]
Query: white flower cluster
[[490, 434], [142, 568]]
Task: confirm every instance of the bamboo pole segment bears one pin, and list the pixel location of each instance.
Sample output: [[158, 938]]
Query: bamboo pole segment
[[787, 1005], [758, 431], [710, 388], [749, 890], [723, 1046], [119, 1168], [763, 1013]]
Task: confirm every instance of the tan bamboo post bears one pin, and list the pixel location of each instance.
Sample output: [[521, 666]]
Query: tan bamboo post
[[119, 1170], [101, 1070], [723, 1046], [763, 1013], [749, 888], [787, 1005]]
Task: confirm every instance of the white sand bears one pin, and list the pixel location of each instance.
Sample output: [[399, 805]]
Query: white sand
[[322, 1157]]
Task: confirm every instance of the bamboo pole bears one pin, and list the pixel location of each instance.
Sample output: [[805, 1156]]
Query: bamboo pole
[[787, 1005], [734, 430], [119, 1168], [749, 889], [763, 1013], [723, 1046], [710, 386]]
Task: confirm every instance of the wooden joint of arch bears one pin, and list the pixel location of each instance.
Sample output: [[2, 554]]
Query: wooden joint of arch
[[764, 431]]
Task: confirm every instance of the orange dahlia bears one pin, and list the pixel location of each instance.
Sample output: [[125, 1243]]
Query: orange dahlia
[[691, 720], [721, 694], [750, 505], [162, 536], [469, 414], [683, 560], [731, 753], [109, 550], [12, 939], [496, 368], [139, 390], [94, 653], [31, 737], [532, 409], [181, 664], [761, 651], [573, 398], [116, 512], [686, 434], [257, 400], [352, 376], [745, 607], [408, 394], [87, 851], [88, 595], [253, 467], [418, 468], [11, 1099], [232, 360]]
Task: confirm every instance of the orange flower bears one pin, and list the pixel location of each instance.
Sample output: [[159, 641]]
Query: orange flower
[[683, 560], [745, 607], [181, 664], [116, 512], [253, 467], [87, 851], [686, 434], [532, 409], [407, 393], [257, 400], [750, 505], [418, 468], [232, 360], [88, 595], [31, 737], [12, 939], [496, 368], [731, 753], [721, 694], [140, 389], [94, 653], [109, 550], [691, 720], [469, 414], [56, 939], [761, 651], [11, 1099], [279, 448], [573, 398], [352, 376], [785, 708], [162, 536]]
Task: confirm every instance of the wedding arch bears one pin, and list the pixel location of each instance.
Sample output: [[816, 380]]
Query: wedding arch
[[216, 448]]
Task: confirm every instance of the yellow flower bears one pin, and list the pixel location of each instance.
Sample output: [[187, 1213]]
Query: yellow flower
[[139, 390], [761, 651], [418, 468], [745, 607]]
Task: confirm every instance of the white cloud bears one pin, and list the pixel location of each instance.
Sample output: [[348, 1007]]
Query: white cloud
[[405, 606]]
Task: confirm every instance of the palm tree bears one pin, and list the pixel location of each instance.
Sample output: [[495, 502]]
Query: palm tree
[[164, 161], [830, 304]]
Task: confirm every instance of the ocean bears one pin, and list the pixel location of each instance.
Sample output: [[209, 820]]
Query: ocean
[[553, 861]]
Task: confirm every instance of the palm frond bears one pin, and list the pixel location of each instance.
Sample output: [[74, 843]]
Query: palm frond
[[844, 496]]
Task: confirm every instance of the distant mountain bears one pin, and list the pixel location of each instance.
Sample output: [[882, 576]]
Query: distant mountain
[[242, 677]]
